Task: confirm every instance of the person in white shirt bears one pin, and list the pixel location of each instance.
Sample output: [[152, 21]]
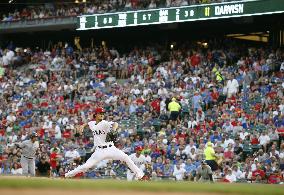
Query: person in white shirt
[[228, 127], [230, 176], [152, 4], [236, 171], [58, 134], [139, 160], [135, 91], [63, 120], [188, 147], [47, 124], [16, 170], [228, 141], [232, 87], [146, 91], [72, 155], [243, 134], [12, 138], [162, 92], [11, 117], [264, 139], [192, 123], [163, 106], [9, 128], [179, 172], [253, 165]]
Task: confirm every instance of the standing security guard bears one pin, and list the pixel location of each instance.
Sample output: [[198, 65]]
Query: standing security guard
[[174, 107], [29, 148], [219, 77], [210, 156]]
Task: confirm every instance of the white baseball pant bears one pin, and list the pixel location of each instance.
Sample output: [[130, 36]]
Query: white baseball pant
[[100, 154], [130, 176]]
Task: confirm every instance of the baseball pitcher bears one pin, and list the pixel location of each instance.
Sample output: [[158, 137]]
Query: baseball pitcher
[[104, 150]]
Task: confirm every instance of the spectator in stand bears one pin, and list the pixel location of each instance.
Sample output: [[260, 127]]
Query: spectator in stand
[[215, 137], [5, 168], [152, 5], [72, 155], [16, 169], [237, 173], [229, 153], [230, 177], [190, 169], [264, 140], [82, 152], [43, 167], [196, 100], [281, 157], [231, 87], [258, 175], [54, 162], [179, 172]]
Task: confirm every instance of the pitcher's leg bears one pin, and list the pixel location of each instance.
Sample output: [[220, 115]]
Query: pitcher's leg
[[129, 175], [119, 155], [96, 157]]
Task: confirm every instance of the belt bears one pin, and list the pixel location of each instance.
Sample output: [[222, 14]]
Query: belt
[[106, 146], [28, 158]]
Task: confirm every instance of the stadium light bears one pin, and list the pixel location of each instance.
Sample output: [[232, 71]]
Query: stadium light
[[11, 1], [205, 44], [80, 1]]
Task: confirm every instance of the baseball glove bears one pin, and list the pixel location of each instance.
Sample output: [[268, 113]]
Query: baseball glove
[[112, 137]]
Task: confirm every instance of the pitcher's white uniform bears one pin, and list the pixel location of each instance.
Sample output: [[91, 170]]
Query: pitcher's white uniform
[[104, 150], [140, 162]]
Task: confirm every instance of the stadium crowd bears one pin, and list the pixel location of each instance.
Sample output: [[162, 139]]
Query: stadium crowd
[[179, 104], [45, 11]]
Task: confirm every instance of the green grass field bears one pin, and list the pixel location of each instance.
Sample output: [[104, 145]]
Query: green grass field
[[114, 185]]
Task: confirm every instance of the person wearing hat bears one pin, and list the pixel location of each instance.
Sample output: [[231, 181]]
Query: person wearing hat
[[139, 160], [210, 156], [204, 172], [174, 108], [104, 149], [29, 148]]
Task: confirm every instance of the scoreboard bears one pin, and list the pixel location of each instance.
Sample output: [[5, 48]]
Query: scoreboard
[[180, 14]]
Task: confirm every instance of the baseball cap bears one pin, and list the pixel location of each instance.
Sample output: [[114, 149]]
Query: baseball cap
[[99, 110], [34, 134], [138, 148]]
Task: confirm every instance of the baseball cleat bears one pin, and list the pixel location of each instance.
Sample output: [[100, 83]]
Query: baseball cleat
[[67, 175], [144, 178]]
